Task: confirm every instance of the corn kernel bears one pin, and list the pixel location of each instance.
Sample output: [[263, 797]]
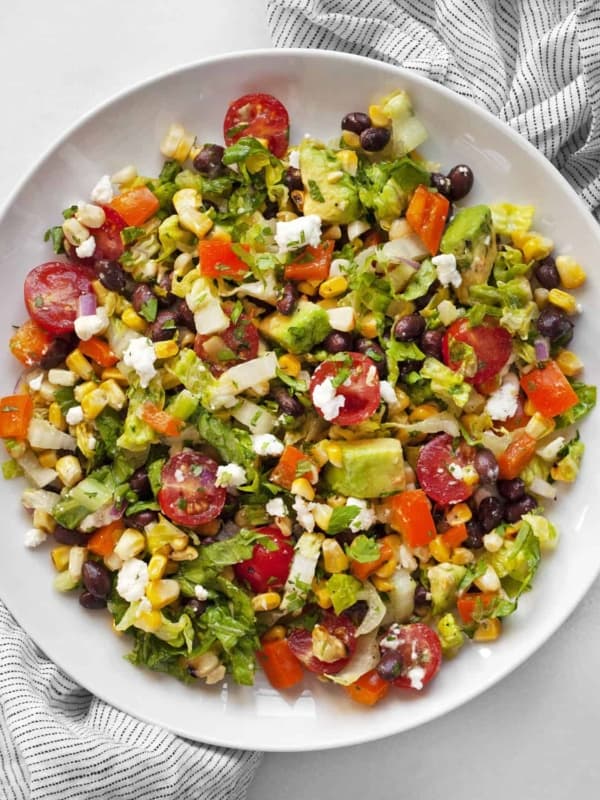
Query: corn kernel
[[488, 630], [56, 418], [322, 515], [113, 374], [351, 139], [533, 245], [318, 454], [572, 274], [334, 453], [387, 569], [82, 389], [75, 233], [43, 520], [563, 300], [157, 566], [267, 601], [169, 380], [115, 396], [308, 287], [148, 621], [48, 459], [382, 584], [570, 364], [274, 634], [69, 470], [462, 556], [378, 117], [166, 349], [162, 592], [113, 562], [399, 228], [368, 326], [439, 549], [188, 553], [333, 287], [334, 558], [321, 592], [133, 320], [131, 543], [348, 161], [62, 377], [79, 364], [60, 557], [332, 233], [423, 412], [182, 540], [90, 215], [458, 514], [177, 143], [94, 403], [303, 488], [539, 426], [290, 364], [493, 542], [125, 175], [489, 581], [528, 408], [540, 295], [203, 664]]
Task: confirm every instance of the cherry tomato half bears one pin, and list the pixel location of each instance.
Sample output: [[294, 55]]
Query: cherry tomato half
[[301, 644], [51, 293], [267, 570], [354, 377], [240, 343], [261, 116], [109, 244], [188, 495], [439, 470], [491, 343], [420, 653]]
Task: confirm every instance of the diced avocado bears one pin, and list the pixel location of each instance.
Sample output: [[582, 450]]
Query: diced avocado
[[471, 238], [299, 332], [335, 201], [370, 468], [408, 132], [443, 583]]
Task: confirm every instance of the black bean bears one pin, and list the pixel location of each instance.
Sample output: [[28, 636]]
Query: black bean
[[422, 597], [271, 209], [66, 536], [194, 606], [512, 490], [441, 183], [287, 404], [554, 323], [431, 343], [409, 328], [356, 121], [288, 300], [141, 519], [91, 602], [293, 179], [57, 351], [163, 290], [374, 139], [474, 538], [141, 295], [547, 274], [486, 465], [357, 612], [96, 578], [461, 181], [408, 366], [111, 275], [421, 302], [338, 342], [514, 511], [370, 348], [390, 664], [209, 161], [490, 513], [164, 326], [140, 483], [184, 315]]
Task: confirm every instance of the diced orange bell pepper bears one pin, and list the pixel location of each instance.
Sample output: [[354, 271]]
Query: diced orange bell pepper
[[411, 516], [15, 415], [426, 214], [99, 351], [292, 464], [218, 260], [136, 206], [312, 265], [369, 689], [103, 540], [455, 535], [468, 604], [30, 343], [279, 664], [362, 569], [161, 421], [516, 456], [549, 390]]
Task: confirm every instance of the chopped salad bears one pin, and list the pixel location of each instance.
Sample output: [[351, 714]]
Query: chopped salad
[[297, 407]]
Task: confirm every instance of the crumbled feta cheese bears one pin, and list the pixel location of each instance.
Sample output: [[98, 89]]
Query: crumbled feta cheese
[[103, 190], [200, 592], [365, 518], [445, 266], [388, 393], [298, 232], [231, 475], [265, 444], [36, 382], [304, 515], [140, 356], [91, 324], [503, 403], [74, 415], [87, 248], [327, 401], [294, 159], [415, 676], [34, 537], [132, 580], [276, 507], [392, 638]]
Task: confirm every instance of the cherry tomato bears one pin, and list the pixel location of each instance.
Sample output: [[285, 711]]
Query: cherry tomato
[[491, 343], [301, 644], [267, 570], [420, 653], [51, 294], [240, 342], [358, 385], [188, 495], [439, 468], [261, 116], [109, 244]]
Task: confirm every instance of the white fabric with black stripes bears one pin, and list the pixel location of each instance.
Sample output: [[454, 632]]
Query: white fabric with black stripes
[[58, 742], [533, 63]]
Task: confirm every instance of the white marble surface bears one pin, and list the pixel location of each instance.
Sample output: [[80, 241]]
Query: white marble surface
[[535, 734]]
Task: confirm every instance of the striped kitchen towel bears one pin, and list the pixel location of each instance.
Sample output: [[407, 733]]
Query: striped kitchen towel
[[58, 742], [535, 64]]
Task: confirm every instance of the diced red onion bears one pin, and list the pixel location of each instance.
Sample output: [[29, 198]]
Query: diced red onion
[[410, 263], [542, 348], [86, 305], [104, 516]]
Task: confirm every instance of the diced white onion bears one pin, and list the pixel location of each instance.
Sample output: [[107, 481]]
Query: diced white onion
[[44, 435], [364, 659], [39, 475], [444, 421], [248, 374], [257, 419], [39, 499]]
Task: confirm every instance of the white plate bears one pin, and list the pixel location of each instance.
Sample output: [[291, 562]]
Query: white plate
[[318, 88]]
